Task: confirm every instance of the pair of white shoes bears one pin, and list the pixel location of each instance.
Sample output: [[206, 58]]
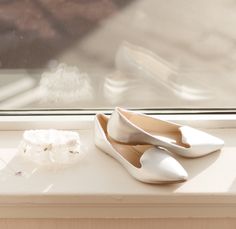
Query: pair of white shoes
[[140, 143]]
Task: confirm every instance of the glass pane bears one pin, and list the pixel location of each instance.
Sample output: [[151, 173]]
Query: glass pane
[[103, 53]]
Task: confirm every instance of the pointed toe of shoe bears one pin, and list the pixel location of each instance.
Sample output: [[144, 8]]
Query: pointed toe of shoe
[[215, 145], [219, 143], [159, 167], [172, 170], [181, 175], [200, 143]]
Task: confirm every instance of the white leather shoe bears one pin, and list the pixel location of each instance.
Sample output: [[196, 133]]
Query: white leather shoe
[[134, 128], [145, 163]]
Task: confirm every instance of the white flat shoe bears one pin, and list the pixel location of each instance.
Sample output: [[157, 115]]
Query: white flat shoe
[[134, 128], [145, 163]]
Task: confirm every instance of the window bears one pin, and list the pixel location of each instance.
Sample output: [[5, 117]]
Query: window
[[133, 53]]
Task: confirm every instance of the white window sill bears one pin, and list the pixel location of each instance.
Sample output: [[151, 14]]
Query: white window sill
[[99, 187]]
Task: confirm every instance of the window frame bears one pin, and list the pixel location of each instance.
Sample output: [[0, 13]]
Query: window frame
[[83, 119]]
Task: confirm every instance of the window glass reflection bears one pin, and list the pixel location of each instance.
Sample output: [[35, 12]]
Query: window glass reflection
[[103, 53]]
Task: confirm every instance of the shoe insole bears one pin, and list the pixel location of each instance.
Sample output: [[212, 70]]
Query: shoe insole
[[169, 137], [160, 129], [131, 153]]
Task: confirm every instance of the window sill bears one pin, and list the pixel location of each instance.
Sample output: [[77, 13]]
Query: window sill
[[98, 187]]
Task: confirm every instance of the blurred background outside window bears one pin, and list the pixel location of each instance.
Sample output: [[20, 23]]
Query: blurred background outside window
[[86, 54]]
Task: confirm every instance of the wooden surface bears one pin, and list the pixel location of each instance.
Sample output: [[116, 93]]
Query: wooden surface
[[101, 186], [100, 194], [118, 223]]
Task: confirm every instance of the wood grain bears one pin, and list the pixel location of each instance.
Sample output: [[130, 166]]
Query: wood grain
[[118, 223]]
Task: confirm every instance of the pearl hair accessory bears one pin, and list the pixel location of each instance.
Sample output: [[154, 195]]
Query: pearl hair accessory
[[51, 147]]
